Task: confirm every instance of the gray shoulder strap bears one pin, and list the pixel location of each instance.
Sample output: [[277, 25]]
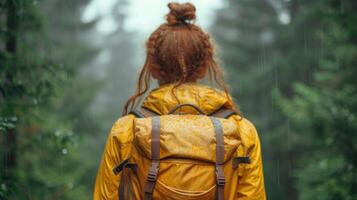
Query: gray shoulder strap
[[144, 112], [223, 113]]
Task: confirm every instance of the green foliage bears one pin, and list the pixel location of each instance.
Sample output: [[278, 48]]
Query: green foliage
[[36, 86], [295, 79], [48, 88], [7, 123], [326, 112], [259, 54]]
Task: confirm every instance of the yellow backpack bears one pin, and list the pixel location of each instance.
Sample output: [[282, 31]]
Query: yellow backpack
[[181, 156]]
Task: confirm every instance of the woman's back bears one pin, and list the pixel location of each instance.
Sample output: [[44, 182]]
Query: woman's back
[[220, 154]]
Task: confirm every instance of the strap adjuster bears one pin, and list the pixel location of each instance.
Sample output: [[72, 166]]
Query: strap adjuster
[[120, 167], [221, 180], [152, 174], [240, 160], [152, 177]]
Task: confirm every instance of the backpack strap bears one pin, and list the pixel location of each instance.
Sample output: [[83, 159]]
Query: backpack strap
[[219, 157], [223, 112], [240, 160], [121, 168], [155, 159], [198, 109], [143, 112]]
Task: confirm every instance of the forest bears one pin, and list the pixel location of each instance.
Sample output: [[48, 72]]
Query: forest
[[291, 66]]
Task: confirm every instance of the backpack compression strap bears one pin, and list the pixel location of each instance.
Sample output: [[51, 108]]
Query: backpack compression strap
[[155, 159], [220, 179], [226, 113]]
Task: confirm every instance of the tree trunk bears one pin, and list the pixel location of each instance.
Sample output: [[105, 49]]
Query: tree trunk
[[11, 47]]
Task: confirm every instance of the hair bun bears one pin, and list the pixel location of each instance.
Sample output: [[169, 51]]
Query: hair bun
[[181, 13]]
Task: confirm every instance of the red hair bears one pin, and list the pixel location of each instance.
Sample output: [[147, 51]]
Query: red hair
[[180, 52]]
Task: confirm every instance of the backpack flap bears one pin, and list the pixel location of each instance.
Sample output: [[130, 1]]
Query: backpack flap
[[186, 137]]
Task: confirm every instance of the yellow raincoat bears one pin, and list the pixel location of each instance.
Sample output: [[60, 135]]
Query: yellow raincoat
[[250, 184]]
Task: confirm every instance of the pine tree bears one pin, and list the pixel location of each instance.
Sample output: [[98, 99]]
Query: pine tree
[[120, 70], [324, 113], [43, 63], [246, 34], [266, 46]]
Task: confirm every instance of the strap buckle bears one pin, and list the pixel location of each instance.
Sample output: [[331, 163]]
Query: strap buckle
[[151, 180], [240, 160], [120, 167], [152, 174], [221, 180]]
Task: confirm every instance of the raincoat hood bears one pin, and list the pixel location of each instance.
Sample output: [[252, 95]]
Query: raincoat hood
[[161, 100]]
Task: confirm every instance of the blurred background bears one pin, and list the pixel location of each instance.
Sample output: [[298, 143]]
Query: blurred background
[[67, 67]]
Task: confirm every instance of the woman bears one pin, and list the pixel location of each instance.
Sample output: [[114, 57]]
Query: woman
[[179, 54]]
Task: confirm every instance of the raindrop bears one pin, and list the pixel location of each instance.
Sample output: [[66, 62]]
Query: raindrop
[[276, 75], [3, 187], [288, 134], [305, 40], [57, 133], [278, 171], [350, 167], [64, 151], [342, 6], [70, 133], [267, 36], [70, 185], [284, 17]]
